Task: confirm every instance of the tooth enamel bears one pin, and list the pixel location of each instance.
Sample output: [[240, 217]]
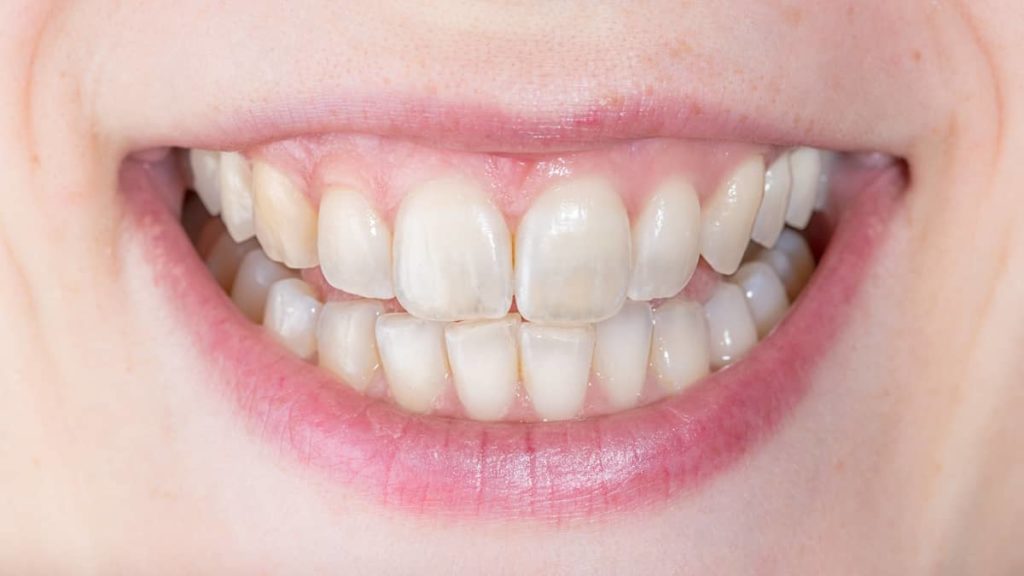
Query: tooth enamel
[[728, 217], [346, 341], [413, 355], [679, 346], [555, 364], [252, 283], [453, 253], [771, 216], [805, 164], [205, 178], [792, 261], [621, 351], [236, 196], [666, 241], [828, 161], [354, 245], [291, 316], [765, 295], [225, 258], [731, 328], [285, 222], [573, 254], [484, 359]]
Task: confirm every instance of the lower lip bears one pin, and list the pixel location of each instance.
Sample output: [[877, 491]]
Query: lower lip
[[539, 471]]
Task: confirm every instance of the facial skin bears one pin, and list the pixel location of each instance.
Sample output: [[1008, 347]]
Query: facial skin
[[117, 454]]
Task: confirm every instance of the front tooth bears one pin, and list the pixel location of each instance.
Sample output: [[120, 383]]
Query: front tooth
[[572, 254], [555, 364], [731, 328], [205, 178], [679, 348], [291, 316], [771, 216], [623, 344], [346, 341], [225, 258], [765, 295], [792, 260], [413, 355], [453, 253], [805, 164], [728, 217], [484, 358], [285, 221], [255, 275], [354, 245], [236, 196], [666, 241]]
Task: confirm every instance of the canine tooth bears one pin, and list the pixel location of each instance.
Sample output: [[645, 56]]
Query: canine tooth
[[225, 258], [679, 348], [292, 314], [346, 341], [236, 196], [666, 241], [792, 260], [354, 245], [728, 217], [453, 253], [765, 294], [555, 363], [731, 328], [621, 351], [205, 178], [572, 254], [252, 283], [805, 164], [484, 359], [771, 216], [412, 353], [285, 221]]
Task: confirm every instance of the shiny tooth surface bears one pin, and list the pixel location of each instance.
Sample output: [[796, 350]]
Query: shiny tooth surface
[[771, 216], [805, 164], [285, 222], [252, 283], [354, 245], [236, 196], [412, 352], [205, 178], [484, 359], [621, 350], [680, 352], [728, 216], [346, 341], [766, 296], [828, 161], [792, 260], [666, 241], [225, 258], [731, 330], [453, 253], [555, 366], [573, 254], [291, 316]]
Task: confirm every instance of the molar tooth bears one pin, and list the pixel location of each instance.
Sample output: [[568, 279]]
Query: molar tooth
[[623, 344], [771, 216], [453, 253], [573, 254], [346, 341], [484, 359], [730, 326], [555, 363], [291, 316], [255, 275], [728, 217], [236, 196], [765, 294], [205, 179], [792, 260], [666, 241], [285, 222], [354, 245], [805, 164], [413, 355], [225, 258], [679, 348]]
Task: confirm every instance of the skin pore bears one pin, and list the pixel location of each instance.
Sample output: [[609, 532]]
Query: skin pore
[[118, 454]]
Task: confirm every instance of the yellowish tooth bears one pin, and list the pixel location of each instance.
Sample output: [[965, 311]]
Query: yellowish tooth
[[236, 196], [679, 348], [771, 216], [731, 328], [765, 295], [285, 222], [623, 344], [484, 358], [205, 165], [792, 261], [347, 342], [727, 218], [555, 364], [291, 316], [666, 241], [805, 164], [354, 245], [412, 352], [255, 275]]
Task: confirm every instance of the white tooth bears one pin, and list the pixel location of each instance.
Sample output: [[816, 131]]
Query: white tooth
[[805, 164], [354, 245], [572, 254], [828, 161], [771, 216], [346, 341], [666, 241], [484, 358], [792, 260], [679, 347], [731, 328], [284, 219], [555, 363], [236, 196], [225, 258], [623, 344], [765, 294], [413, 355], [205, 178], [252, 283], [453, 253], [291, 316], [728, 216]]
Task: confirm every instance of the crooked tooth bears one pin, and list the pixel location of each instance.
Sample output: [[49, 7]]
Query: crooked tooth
[[347, 343], [285, 222], [805, 164], [354, 245], [792, 260], [236, 196], [765, 295], [731, 328], [291, 316], [255, 275], [666, 241], [573, 254], [728, 217], [453, 253], [771, 216], [225, 258], [555, 364], [205, 178], [621, 350], [484, 359], [413, 354], [680, 351]]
